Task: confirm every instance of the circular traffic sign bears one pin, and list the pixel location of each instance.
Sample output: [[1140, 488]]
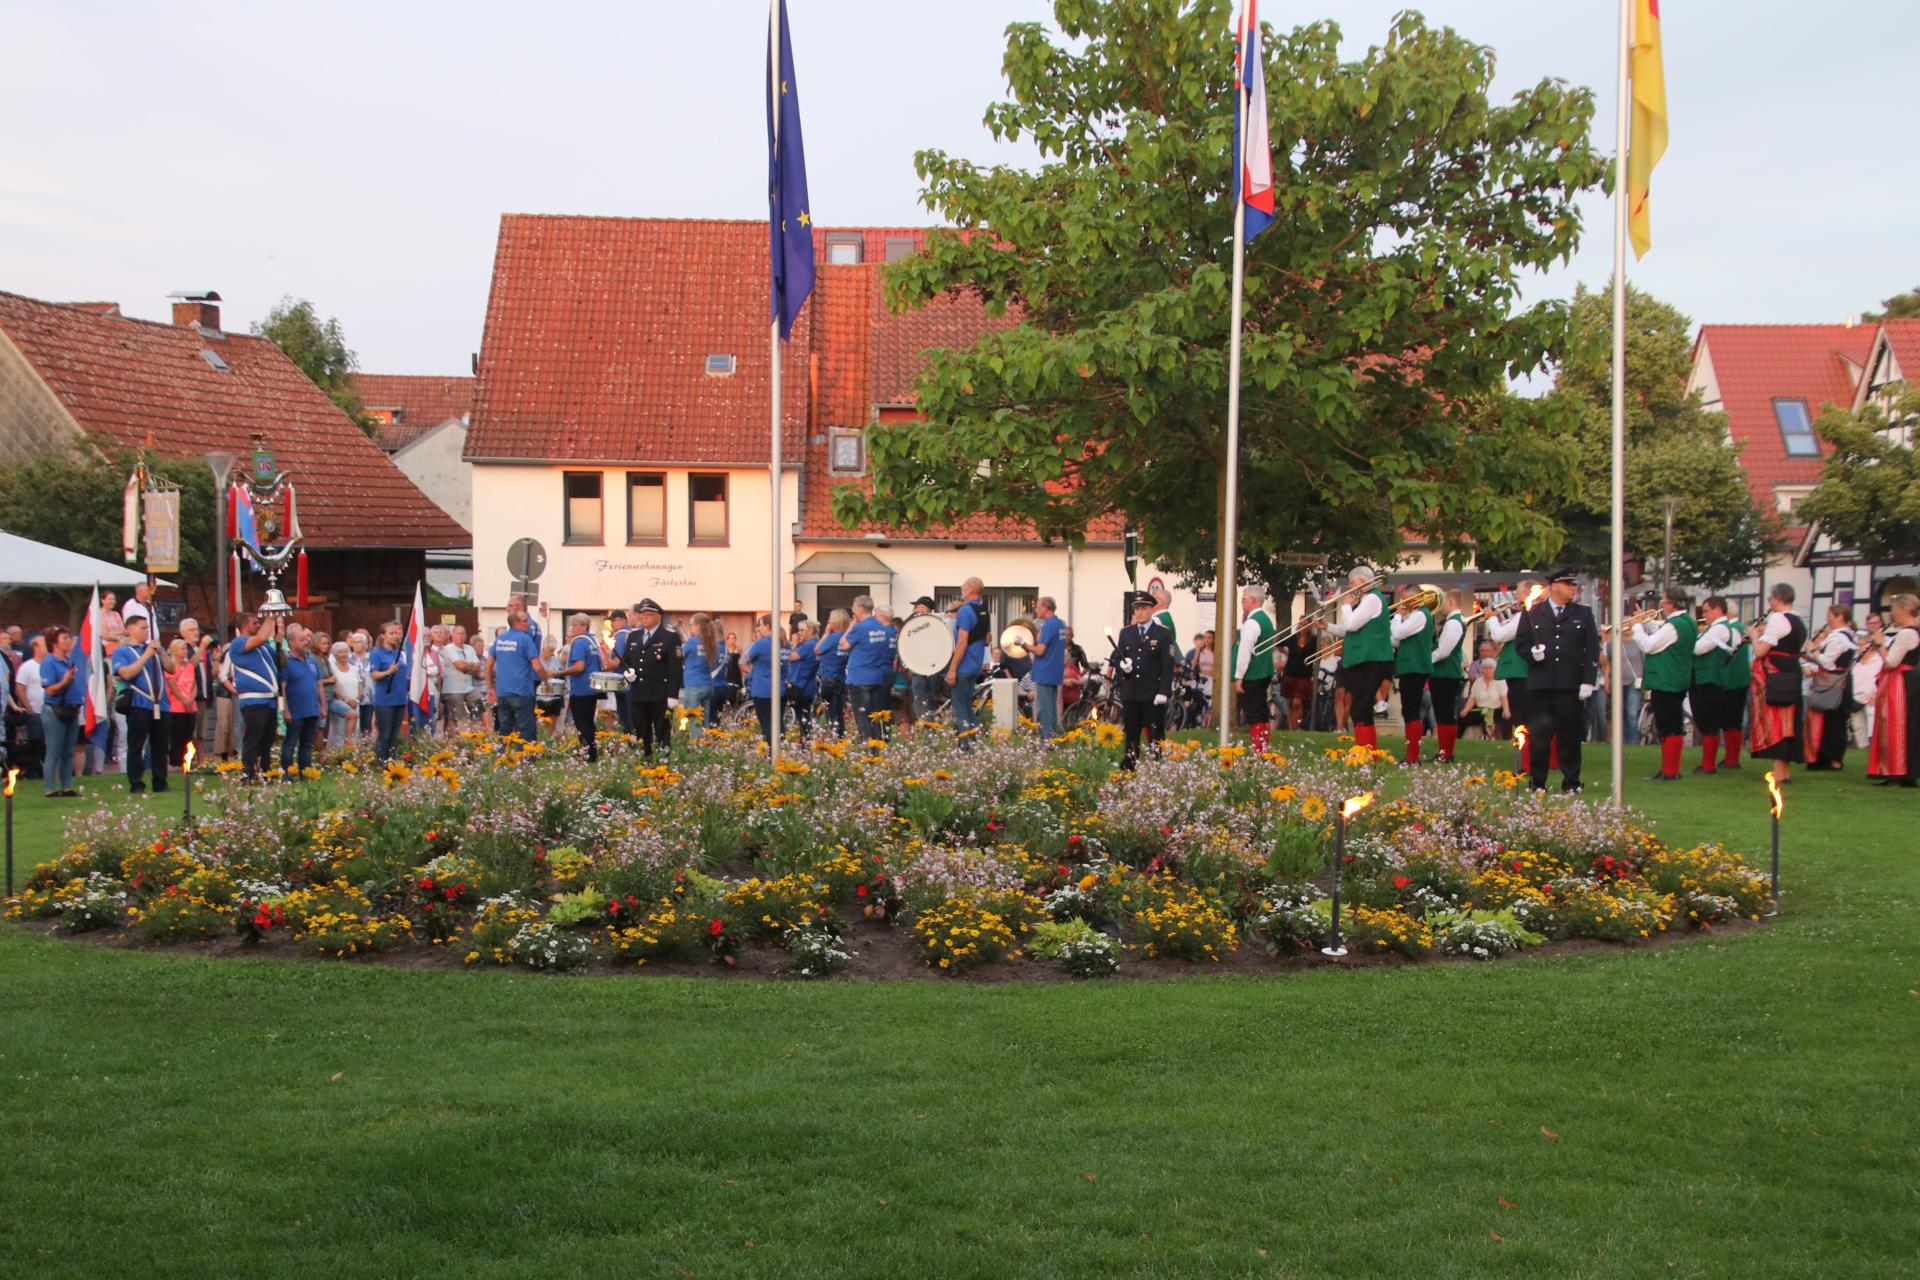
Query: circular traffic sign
[[526, 559]]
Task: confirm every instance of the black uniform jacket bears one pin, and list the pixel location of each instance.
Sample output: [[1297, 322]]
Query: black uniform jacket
[[1143, 665], [652, 666], [1572, 642]]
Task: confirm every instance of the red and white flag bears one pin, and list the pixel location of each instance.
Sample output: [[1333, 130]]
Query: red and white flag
[[90, 643], [130, 518], [418, 692]]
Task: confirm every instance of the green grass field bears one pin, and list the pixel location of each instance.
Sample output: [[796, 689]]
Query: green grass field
[[1737, 1106]]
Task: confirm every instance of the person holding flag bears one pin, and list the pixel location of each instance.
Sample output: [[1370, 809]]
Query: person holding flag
[[423, 668], [140, 662]]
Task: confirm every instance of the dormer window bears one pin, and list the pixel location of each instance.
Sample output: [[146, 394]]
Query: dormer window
[[719, 366]]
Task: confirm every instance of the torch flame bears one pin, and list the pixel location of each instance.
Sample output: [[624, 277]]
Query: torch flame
[[1355, 804], [13, 775], [1778, 802], [1534, 594], [1520, 736], [187, 760]]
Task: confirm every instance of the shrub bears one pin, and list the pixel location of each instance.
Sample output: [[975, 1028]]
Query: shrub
[[966, 932], [1574, 907], [1180, 923], [1481, 935], [539, 944], [1391, 929], [1291, 919], [95, 902], [667, 931], [763, 910], [200, 906], [1709, 870], [495, 926], [1077, 947]]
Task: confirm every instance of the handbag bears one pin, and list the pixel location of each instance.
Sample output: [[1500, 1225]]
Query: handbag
[[1783, 685], [66, 712], [1828, 692], [123, 701]]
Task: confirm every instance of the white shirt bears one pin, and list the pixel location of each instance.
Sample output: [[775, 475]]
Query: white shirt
[[1866, 677], [1718, 636], [1777, 628], [1488, 693], [346, 684], [452, 678], [1355, 616], [1450, 637], [134, 609], [1503, 630], [1902, 646], [1652, 640], [1835, 647], [1243, 656], [1407, 626], [32, 691]]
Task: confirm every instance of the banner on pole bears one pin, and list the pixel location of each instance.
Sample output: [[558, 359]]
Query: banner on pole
[[163, 530]]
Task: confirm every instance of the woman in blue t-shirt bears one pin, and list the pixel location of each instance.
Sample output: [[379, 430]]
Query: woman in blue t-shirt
[[63, 678], [802, 675], [760, 673], [702, 663], [831, 690]]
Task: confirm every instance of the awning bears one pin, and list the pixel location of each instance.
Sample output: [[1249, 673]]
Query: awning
[[26, 563], [861, 567]]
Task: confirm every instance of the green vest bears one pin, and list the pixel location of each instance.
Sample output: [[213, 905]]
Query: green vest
[[1260, 666], [1671, 669], [1729, 670], [1454, 665], [1373, 642], [1414, 656], [1165, 619], [1511, 664]]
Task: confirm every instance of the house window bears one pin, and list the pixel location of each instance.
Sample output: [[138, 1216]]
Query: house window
[[719, 366], [845, 250], [646, 509], [846, 452], [583, 506], [707, 495], [1796, 428], [1789, 497], [899, 247]]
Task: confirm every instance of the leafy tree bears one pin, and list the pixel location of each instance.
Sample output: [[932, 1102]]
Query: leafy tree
[[1674, 447], [1901, 306], [320, 349], [1869, 494], [1382, 312]]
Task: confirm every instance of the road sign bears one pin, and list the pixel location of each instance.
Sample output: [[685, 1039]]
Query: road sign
[[529, 591], [1300, 560], [1155, 586], [526, 560]]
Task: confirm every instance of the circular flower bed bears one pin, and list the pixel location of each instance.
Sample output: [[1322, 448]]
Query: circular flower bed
[[917, 856]]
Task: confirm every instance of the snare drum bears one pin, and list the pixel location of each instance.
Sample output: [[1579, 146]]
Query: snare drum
[[608, 682]]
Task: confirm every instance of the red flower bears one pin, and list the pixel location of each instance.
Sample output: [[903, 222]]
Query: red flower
[[613, 906], [1076, 840], [632, 901], [1062, 869], [861, 891], [715, 929], [426, 882], [1401, 882], [432, 836], [461, 887], [263, 921], [450, 895]]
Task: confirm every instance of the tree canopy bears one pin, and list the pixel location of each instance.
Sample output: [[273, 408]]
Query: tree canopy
[[1901, 306], [72, 500], [320, 348], [1869, 494], [1383, 317]]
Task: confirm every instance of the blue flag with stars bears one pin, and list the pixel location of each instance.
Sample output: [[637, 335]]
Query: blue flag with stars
[[789, 218]]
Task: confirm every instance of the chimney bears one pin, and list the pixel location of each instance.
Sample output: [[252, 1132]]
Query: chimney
[[199, 310]]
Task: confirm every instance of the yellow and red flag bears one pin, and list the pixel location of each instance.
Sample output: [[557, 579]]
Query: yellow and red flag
[[1649, 120]]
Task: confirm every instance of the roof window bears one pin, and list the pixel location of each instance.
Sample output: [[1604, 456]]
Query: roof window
[[1796, 428], [719, 366], [212, 357], [846, 249]]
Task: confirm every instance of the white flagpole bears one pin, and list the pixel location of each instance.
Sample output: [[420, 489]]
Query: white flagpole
[[1616, 569], [773, 461], [1227, 578]]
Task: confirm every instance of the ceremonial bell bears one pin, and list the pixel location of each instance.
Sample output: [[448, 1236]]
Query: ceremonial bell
[[275, 605]]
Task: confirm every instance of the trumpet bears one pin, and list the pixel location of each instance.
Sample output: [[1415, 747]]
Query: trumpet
[[1326, 610], [1645, 615]]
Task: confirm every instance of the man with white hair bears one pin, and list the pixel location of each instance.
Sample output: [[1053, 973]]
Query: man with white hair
[[578, 663], [1253, 664], [1367, 653]]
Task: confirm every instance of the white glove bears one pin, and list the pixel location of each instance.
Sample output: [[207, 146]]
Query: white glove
[[1539, 653], [1586, 691], [1126, 665], [1379, 708], [673, 704], [1159, 699], [628, 676]]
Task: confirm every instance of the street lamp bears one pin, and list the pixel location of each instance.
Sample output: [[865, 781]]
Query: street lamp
[[222, 463], [466, 590], [1670, 502]]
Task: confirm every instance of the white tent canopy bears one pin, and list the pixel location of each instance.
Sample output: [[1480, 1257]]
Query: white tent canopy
[[26, 563]]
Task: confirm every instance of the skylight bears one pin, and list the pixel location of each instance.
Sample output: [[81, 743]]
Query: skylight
[[1796, 428], [212, 357], [719, 366]]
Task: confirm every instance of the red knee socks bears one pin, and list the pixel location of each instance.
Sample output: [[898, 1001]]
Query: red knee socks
[[1731, 741], [1259, 732], [1414, 730], [1670, 749], [1364, 735], [1709, 751], [1448, 733]]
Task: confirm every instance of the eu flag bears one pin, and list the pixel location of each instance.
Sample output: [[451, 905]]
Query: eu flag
[[789, 218]]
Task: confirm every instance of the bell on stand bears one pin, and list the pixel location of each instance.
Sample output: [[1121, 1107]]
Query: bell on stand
[[275, 605]]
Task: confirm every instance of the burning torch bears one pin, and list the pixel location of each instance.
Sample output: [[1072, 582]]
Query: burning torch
[[13, 776], [1776, 804], [186, 778], [1353, 805]]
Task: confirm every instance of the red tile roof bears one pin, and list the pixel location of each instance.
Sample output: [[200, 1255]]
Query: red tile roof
[[418, 403], [127, 379], [1903, 336], [1754, 365], [597, 335], [952, 321]]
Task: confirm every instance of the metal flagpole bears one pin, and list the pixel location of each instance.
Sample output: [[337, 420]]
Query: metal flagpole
[[1616, 590], [773, 462], [1227, 579]]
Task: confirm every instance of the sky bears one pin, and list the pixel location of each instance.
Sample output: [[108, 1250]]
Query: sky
[[360, 154]]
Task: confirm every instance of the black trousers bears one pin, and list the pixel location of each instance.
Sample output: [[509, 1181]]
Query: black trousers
[[650, 723], [1708, 709], [1670, 713], [259, 726], [1445, 691], [1555, 716], [1831, 751], [582, 710], [802, 709], [833, 703], [1413, 691], [1140, 719], [1363, 682], [144, 730], [1254, 705]]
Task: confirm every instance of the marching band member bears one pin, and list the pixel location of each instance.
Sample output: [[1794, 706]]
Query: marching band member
[[256, 680], [651, 662], [1894, 756], [1412, 634], [141, 663], [803, 674], [1866, 673], [1774, 731], [1832, 664], [1163, 613], [1669, 647], [832, 672], [759, 663], [972, 630], [1719, 681], [1253, 665], [870, 644], [1562, 644], [1143, 659], [1449, 674], [583, 700], [1510, 668], [1367, 653]]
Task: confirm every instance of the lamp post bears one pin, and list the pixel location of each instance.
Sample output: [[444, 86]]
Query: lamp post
[[222, 463], [1670, 502]]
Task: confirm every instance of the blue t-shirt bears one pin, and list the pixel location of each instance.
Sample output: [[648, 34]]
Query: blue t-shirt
[[803, 669], [976, 655], [833, 663], [695, 671], [303, 688], [53, 667], [870, 652], [513, 655], [760, 668], [583, 649], [256, 672], [1050, 668], [392, 690], [146, 681]]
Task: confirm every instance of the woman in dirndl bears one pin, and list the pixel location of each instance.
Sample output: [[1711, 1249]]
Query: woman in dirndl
[[1773, 730], [1893, 757], [1831, 670]]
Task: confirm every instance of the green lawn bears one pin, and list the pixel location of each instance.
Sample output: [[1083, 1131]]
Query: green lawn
[[1736, 1107]]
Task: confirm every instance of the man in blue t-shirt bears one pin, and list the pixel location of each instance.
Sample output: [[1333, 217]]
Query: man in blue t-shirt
[[141, 664], [1049, 667], [971, 630], [618, 624], [514, 670], [869, 646], [300, 683], [583, 700], [257, 658], [391, 671]]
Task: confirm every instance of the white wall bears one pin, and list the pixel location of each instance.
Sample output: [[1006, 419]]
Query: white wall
[[434, 463]]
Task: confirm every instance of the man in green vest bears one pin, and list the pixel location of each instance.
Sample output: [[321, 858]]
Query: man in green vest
[[1163, 612], [1253, 665], [1366, 653], [1722, 670], [1449, 673], [1412, 633], [1669, 676], [1512, 665]]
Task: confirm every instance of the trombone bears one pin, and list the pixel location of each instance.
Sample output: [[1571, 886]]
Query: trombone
[[1325, 611], [1331, 649], [1424, 598]]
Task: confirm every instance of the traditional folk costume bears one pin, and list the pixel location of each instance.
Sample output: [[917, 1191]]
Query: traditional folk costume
[[1773, 731], [1367, 658], [1893, 757], [1412, 669], [1449, 676], [1827, 729], [1669, 678], [1253, 668], [1722, 665]]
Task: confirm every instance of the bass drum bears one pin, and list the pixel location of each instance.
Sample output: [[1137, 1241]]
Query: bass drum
[[926, 645]]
